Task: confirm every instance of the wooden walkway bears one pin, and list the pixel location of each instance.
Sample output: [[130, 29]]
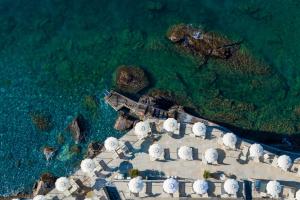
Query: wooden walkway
[[141, 109]]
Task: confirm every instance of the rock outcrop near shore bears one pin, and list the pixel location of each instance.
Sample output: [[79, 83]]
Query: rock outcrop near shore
[[94, 149], [44, 185], [77, 128], [131, 79], [124, 122]]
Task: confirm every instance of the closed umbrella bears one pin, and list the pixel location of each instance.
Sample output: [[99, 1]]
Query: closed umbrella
[[273, 188], [199, 129], [62, 184], [170, 125], [111, 144], [211, 155], [136, 185], [200, 186], [156, 151], [87, 165], [229, 140], [231, 186], [256, 150], [142, 129], [284, 162], [170, 185], [185, 153]]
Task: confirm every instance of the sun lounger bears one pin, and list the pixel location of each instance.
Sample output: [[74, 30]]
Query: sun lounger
[[181, 190], [104, 166]]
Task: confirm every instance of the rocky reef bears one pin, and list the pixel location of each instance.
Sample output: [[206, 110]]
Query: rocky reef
[[202, 43], [207, 44], [131, 79]]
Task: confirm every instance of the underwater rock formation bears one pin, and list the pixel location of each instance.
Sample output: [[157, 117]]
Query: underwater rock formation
[[44, 185], [207, 45], [202, 43], [94, 149], [49, 152], [131, 79], [76, 127], [42, 121]]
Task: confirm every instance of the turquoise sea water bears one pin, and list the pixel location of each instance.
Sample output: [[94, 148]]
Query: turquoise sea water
[[54, 53]]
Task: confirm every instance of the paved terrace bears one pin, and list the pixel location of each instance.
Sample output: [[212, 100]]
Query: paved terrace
[[185, 171]]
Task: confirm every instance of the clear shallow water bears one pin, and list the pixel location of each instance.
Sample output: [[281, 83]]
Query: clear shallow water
[[55, 52]]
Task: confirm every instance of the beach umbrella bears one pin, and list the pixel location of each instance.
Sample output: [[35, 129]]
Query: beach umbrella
[[256, 150], [229, 140], [39, 197], [62, 184], [273, 188], [200, 186], [185, 153], [199, 129], [136, 185], [155, 151], [231, 186], [170, 125], [170, 185], [211, 155], [111, 144], [142, 129], [298, 195], [284, 162], [87, 165]]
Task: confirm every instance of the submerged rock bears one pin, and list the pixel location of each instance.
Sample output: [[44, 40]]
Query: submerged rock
[[200, 42], [77, 127], [131, 79], [42, 121], [123, 122], [49, 152], [94, 149], [44, 185]]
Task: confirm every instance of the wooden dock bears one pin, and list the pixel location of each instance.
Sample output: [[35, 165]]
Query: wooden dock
[[141, 109]]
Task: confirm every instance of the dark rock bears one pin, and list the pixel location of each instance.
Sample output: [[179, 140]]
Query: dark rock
[[44, 185], [131, 79], [94, 149], [77, 128], [124, 122], [49, 152]]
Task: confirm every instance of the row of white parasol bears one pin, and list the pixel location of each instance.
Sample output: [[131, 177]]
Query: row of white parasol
[[184, 152], [171, 185], [198, 129]]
